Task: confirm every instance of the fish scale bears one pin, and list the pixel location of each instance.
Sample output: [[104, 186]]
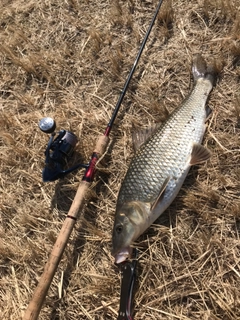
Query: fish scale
[[166, 152], [160, 165]]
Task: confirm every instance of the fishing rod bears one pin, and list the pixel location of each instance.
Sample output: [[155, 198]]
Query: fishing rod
[[35, 305]]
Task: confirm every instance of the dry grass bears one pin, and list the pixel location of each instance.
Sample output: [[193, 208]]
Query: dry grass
[[69, 60]]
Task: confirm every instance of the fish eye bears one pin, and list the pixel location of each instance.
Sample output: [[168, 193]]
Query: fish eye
[[119, 228]]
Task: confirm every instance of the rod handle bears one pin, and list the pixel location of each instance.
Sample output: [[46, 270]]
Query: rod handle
[[101, 145], [35, 305]]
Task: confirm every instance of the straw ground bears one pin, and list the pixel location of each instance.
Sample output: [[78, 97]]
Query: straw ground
[[69, 60]]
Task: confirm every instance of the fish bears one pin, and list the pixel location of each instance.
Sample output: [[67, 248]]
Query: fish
[[161, 163]]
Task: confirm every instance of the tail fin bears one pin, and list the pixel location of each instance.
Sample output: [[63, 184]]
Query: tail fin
[[201, 70]]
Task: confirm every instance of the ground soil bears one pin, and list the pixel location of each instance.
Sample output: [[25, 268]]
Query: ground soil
[[69, 60]]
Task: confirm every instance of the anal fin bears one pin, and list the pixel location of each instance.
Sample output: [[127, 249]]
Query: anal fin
[[199, 154]]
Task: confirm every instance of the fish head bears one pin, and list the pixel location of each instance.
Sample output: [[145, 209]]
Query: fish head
[[122, 237], [128, 225]]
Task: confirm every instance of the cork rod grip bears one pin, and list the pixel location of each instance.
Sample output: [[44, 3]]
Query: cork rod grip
[[101, 145]]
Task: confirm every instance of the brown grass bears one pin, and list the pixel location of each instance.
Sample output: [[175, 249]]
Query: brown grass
[[69, 60]]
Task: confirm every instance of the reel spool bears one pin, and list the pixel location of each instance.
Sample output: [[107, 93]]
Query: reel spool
[[58, 151]]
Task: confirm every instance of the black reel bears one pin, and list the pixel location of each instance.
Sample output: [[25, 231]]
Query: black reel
[[58, 151]]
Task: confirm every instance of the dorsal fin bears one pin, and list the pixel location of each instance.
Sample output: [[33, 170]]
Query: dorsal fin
[[140, 136], [199, 154]]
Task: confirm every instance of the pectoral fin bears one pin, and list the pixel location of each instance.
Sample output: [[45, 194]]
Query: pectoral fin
[[199, 154], [161, 193]]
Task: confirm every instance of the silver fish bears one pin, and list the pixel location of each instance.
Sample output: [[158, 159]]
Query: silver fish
[[161, 164]]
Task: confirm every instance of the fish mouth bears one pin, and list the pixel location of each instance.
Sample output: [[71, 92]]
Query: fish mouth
[[123, 255]]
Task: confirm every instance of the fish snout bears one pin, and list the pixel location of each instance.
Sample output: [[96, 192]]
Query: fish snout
[[122, 255]]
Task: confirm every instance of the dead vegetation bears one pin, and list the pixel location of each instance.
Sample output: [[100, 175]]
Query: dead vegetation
[[69, 60]]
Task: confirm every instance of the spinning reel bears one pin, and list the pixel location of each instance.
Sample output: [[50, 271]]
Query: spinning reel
[[58, 151]]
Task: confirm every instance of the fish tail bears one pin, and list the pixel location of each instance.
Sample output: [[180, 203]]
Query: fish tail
[[201, 70]]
